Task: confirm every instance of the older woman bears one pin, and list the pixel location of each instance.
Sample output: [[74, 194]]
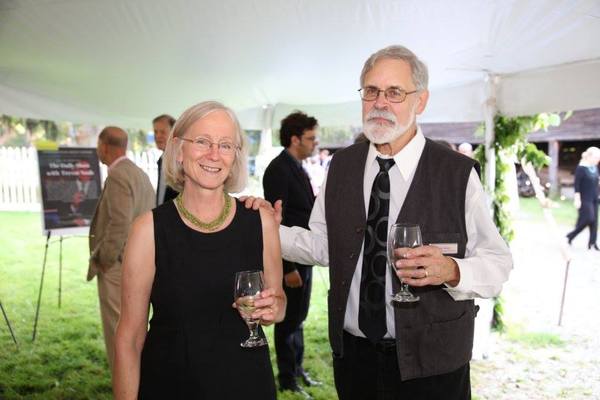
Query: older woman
[[586, 196], [182, 257]]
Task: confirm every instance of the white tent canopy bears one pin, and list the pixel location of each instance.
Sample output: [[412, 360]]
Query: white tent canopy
[[125, 61]]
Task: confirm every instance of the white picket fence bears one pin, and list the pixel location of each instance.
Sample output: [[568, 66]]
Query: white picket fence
[[20, 181]]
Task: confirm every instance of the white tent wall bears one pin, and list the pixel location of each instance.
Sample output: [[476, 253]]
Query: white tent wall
[[340, 114], [125, 61], [566, 87], [22, 103], [463, 103]]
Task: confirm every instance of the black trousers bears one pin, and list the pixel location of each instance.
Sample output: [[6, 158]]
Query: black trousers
[[370, 371], [587, 218], [289, 333]]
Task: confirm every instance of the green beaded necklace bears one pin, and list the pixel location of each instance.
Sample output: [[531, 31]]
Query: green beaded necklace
[[208, 226]]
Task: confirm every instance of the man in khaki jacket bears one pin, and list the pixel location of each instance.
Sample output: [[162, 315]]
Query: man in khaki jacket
[[127, 193]]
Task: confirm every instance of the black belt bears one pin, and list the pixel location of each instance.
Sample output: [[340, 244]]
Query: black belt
[[382, 345]]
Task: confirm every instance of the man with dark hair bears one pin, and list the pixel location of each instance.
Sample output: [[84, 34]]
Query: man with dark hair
[[162, 126], [127, 193], [286, 180], [385, 350]]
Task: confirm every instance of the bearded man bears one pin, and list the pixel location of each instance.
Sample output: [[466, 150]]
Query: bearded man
[[385, 350]]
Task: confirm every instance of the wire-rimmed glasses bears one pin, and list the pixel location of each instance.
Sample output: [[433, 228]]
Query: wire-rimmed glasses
[[392, 94], [203, 143]]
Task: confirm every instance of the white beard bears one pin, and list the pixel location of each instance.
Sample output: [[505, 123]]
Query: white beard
[[380, 133]]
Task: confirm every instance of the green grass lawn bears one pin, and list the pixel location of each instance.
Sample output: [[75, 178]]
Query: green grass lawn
[[563, 211], [67, 360]]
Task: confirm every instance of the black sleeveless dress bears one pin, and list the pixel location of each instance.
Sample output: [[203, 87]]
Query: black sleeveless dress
[[192, 350]]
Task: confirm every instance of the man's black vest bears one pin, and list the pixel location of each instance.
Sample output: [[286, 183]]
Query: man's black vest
[[434, 335]]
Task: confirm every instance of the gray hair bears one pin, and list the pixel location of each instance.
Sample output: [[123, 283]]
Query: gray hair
[[236, 181], [420, 76]]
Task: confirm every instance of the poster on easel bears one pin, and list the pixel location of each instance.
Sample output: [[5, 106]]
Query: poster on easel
[[70, 187]]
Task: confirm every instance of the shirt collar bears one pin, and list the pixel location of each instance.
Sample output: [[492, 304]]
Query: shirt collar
[[114, 163], [406, 159], [298, 162]]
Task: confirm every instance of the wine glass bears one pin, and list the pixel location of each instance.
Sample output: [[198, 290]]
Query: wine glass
[[405, 236], [248, 284]]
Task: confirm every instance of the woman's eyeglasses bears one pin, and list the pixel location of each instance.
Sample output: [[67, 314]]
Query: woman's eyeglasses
[[205, 144]]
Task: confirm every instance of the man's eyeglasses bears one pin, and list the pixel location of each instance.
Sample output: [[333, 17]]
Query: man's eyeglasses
[[205, 144], [392, 94]]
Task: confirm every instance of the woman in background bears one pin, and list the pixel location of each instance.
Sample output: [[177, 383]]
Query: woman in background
[[586, 196], [182, 257]]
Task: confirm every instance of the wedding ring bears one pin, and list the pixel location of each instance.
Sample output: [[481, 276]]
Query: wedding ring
[[426, 273]]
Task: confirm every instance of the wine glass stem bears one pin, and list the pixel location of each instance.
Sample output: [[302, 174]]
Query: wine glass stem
[[254, 331]]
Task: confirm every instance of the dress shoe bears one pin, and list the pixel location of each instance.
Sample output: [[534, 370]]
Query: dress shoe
[[569, 240], [293, 387], [308, 380], [593, 246]]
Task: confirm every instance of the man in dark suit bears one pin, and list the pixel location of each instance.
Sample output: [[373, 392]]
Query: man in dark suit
[[162, 126], [286, 180]]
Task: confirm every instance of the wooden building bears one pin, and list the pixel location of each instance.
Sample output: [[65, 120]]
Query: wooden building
[[564, 144]]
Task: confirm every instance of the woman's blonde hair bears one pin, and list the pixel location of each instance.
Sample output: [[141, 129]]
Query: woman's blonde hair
[[591, 152], [238, 176]]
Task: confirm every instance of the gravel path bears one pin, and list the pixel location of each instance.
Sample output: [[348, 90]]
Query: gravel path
[[516, 369]]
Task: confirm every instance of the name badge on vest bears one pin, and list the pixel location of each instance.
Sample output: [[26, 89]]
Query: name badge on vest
[[446, 248]]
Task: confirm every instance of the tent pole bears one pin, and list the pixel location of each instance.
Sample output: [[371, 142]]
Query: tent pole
[[564, 293], [483, 329], [265, 147], [554, 153], [266, 140], [490, 110]]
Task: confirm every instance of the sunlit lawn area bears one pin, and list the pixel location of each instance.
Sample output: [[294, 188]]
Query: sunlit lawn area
[[563, 211], [67, 360]]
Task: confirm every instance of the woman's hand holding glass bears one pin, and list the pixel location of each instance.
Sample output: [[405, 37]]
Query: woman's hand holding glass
[[255, 304], [266, 307], [248, 287]]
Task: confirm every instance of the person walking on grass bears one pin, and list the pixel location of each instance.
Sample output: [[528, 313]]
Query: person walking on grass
[[585, 198]]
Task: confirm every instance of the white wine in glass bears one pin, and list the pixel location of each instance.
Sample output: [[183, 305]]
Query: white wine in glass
[[402, 236], [248, 284]]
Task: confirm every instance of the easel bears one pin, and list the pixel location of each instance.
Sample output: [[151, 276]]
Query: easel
[[8, 324], [72, 163], [60, 265]]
